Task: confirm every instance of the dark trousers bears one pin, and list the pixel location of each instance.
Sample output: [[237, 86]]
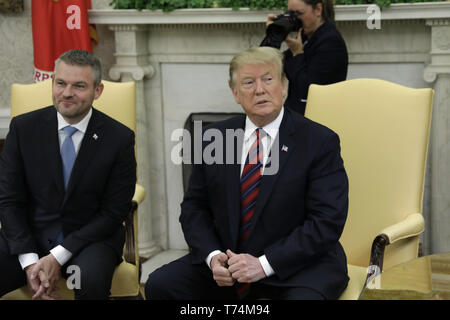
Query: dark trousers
[[96, 262], [182, 280]]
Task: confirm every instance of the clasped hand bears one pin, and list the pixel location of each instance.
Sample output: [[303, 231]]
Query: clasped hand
[[230, 267], [42, 277]]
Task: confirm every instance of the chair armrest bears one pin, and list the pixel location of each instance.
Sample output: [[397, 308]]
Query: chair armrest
[[139, 194], [411, 226], [131, 254]]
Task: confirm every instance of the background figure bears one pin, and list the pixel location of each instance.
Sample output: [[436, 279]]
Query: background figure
[[268, 224], [317, 55], [67, 178]]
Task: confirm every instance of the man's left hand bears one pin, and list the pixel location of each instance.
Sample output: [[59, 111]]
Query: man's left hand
[[48, 270], [244, 267]]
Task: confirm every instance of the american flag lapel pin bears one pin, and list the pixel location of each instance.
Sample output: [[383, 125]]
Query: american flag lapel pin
[[95, 136], [284, 148]]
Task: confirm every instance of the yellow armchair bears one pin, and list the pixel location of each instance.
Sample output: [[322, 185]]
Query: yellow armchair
[[118, 101], [384, 130]]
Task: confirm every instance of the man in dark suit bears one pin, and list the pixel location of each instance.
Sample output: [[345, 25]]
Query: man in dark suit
[[266, 220], [67, 178]]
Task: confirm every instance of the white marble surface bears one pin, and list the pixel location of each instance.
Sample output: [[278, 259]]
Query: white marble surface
[[4, 122]]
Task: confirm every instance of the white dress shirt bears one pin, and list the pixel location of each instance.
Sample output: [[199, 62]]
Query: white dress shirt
[[61, 254], [267, 140]]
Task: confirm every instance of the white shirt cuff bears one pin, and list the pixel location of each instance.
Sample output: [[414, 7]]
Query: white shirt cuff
[[61, 254], [26, 259], [210, 256], [266, 266]]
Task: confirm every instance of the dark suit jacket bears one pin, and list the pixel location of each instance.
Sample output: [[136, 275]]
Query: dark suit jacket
[[33, 203], [300, 211], [324, 61]]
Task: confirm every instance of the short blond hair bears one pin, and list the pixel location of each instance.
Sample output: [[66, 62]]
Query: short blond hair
[[258, 55]]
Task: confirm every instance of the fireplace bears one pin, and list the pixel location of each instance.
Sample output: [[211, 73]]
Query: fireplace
[[205, 118]]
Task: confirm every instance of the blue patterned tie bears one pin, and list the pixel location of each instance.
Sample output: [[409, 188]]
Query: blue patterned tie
[[68, 153]]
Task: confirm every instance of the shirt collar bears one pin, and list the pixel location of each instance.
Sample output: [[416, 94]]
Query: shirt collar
[[271, 129], [81, 126]]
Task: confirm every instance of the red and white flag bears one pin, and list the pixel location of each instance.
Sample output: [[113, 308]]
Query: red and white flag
[[58, 26]]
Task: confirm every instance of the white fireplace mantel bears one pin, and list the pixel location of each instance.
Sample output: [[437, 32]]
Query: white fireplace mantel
[[180, 59], [401, 11]]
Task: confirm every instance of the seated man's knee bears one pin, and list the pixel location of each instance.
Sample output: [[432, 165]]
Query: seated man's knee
[[157, 286], [93, 286]]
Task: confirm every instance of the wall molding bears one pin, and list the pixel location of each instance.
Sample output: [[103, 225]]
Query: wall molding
[[400, 11], [4, 122]]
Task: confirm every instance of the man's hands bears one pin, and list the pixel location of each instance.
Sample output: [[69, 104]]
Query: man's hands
[[244, 267], [230, 267], [221, 274], [42, 277]]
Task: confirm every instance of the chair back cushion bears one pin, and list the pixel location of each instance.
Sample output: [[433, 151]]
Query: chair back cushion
[[118, 100], [384, 131]]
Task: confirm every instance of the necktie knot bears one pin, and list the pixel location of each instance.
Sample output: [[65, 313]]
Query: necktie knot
[[260, 133], [69, 131]]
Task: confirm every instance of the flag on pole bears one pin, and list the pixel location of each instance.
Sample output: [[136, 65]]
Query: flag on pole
[[58, 26]]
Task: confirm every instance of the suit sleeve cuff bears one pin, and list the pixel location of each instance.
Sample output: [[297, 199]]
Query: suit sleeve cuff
[[26, 259], [61, 254], [210, 256], [266, 266]]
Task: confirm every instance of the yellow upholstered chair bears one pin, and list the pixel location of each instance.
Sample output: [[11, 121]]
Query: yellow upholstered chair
[[118, 100], [384, 131]]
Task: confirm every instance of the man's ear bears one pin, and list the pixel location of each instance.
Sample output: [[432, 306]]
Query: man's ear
[[99, 90]]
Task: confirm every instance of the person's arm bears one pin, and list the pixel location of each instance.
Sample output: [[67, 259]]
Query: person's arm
[[196, 219], [14, 198], [61, 254], [268, 270], [115, 203], [14, 201], [326, 202], [327, 64], [27, 259]]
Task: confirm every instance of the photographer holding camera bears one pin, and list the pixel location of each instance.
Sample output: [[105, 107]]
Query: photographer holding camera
[[318, 54]]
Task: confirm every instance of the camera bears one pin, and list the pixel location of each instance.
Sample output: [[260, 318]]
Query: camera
[[282, 25]]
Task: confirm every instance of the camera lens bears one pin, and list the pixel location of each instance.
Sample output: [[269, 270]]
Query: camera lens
[[282, 25]]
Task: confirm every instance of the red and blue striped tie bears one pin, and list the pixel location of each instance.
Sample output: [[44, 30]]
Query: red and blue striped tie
[[250, 181]]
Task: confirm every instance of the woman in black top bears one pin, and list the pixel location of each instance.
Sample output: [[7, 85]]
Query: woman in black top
[[318, 54]]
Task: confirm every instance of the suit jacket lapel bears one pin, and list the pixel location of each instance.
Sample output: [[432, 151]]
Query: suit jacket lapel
[[88, 149], [278, 157], [49, 129]]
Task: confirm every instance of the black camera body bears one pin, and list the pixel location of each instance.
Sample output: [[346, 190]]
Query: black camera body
[[282, 25]]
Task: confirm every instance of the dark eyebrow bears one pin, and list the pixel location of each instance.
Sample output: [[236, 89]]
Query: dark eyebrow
[[80, 84]]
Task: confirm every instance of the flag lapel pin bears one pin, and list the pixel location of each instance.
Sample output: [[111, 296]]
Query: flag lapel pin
[[284, 148], [95, 136]]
